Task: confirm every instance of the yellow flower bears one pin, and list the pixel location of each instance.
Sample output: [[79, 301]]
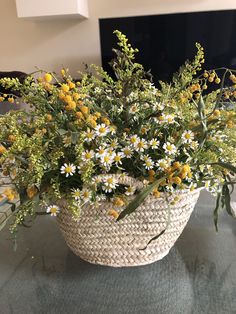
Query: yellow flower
[[65, 88], [71, 84], [68, 98], [161, 118], [217, 113], [186, 168], [49, 117], [230, 124], [105, 120], [151, 173], [156, 193], [71, 106], [113, 213], [143, 130], [48, 87], [176, 180], [176, 165], [97, 114], [151, 179], [32, 191], [84, 110], [63, 72], [2, 149], [91, 122], [118, 202], [232, 77], [10, 194], [79, 115], [11, 100], [11, 138], [2, 99], [61, 95], [48, 77], [76, 96]]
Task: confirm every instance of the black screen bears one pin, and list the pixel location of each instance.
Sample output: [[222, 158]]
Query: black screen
[[166, 41]]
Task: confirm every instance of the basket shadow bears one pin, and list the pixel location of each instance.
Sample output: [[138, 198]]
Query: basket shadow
[[163, 286]]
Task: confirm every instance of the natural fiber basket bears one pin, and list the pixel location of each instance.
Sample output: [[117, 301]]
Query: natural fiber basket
[[98, 238]]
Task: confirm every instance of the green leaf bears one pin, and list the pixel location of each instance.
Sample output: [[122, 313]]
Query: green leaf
[[231, 183], [62, 131], [226, 166], [216, 210], [154, 238], [74, 137], [139, 198], [226, 195], [163, 231]]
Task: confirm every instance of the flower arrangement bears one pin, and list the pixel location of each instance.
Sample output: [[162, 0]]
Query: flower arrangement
[[76, 135]]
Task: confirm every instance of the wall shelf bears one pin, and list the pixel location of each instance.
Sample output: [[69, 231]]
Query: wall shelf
[[51, 8]]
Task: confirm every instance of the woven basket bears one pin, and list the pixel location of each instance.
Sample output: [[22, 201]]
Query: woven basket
[[98, 238]]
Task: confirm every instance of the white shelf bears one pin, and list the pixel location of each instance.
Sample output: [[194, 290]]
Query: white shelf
[[52, 8]]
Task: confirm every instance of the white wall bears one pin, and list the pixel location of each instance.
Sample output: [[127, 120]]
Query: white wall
[[51, 43]]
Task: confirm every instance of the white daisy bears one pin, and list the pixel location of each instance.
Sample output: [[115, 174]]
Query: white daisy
[[133, 109], [89, 135], [113, 129], [148, 163], [95, 181], [68, 169], [163, 164], [76, 194], [134, 139], [161, 119], [101, 151], [141, 145], [107, 159], [127, 151], [87, 155], [114, 143], [158, 106], [86, 195], [129, 190], [109, 184], [187, 137], [154, 143], [117, 158], [169, 148], [101, 130], [194, 145], [53, 210], [169, 119]]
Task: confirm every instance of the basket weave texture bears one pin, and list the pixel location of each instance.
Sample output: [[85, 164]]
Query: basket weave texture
[[98, 238]]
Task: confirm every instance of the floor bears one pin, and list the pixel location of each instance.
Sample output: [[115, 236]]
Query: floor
[[198, 276]]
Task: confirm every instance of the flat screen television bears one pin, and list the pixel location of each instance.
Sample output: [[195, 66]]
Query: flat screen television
[[166, 41]]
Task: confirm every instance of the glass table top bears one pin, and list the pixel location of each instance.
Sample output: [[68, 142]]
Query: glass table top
[[198, 276]]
